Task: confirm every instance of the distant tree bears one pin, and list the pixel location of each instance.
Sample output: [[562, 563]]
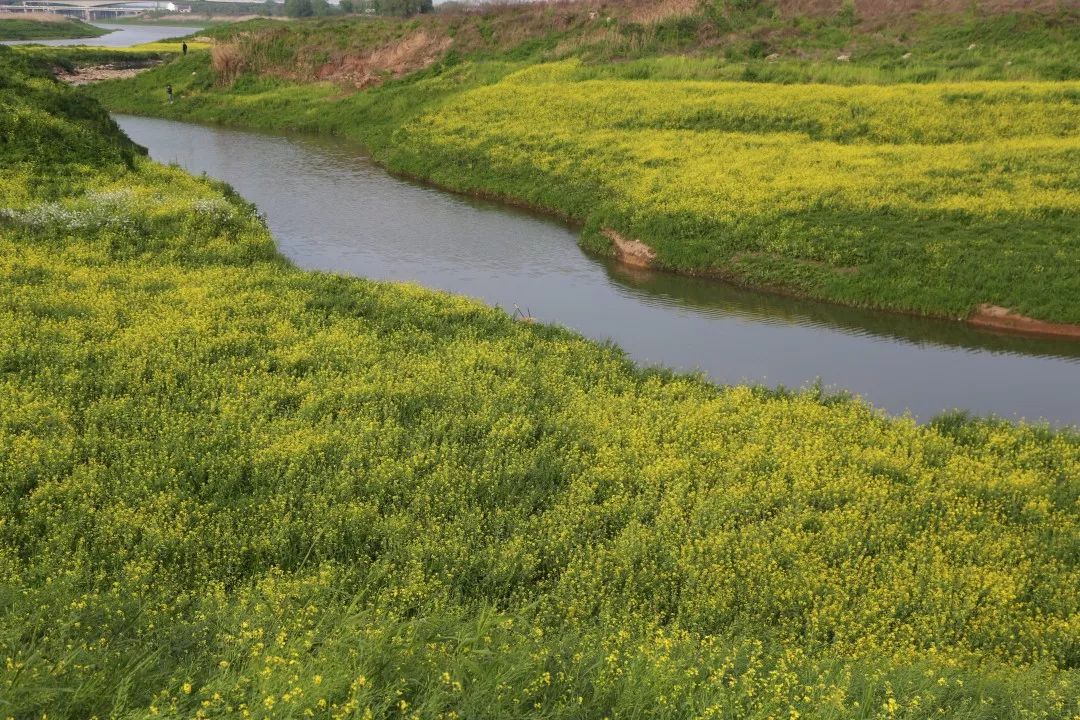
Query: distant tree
[[321, 8], [403, 8], [346, 6], [299, 8]]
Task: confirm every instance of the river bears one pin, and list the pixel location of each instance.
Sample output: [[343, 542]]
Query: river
[[119, 36], [330, 208]]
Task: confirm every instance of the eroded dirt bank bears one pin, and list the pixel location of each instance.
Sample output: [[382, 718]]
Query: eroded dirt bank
[[637, 254]]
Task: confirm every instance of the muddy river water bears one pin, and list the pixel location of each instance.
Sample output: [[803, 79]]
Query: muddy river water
[[330, 208]]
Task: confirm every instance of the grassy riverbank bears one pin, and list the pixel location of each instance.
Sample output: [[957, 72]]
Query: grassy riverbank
[[45, 27], [932, 171], [232, 488]]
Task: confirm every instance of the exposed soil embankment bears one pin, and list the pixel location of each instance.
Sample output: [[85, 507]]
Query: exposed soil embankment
[[631, 252], [994, 317]]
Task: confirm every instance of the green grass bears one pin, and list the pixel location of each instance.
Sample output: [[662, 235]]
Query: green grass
[[821, 178], [232, 487], [20, 29], [68, 57]]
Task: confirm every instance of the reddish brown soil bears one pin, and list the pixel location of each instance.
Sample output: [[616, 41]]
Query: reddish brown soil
[[631, 252], [994, 317]]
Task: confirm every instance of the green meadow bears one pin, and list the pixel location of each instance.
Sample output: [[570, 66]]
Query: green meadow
[[932, 170], [231, 488]]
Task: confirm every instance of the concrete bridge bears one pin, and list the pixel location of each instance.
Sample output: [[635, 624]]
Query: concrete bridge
[[87, 9]]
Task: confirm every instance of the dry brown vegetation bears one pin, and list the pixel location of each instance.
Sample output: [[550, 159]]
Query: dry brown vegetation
[[413, 52], [227, 59]]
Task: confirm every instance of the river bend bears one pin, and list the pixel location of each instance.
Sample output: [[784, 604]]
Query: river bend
[[330, 208]]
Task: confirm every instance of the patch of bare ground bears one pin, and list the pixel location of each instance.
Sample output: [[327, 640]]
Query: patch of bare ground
[[98, 73], [409, 54], [995, 317], [631, 252]]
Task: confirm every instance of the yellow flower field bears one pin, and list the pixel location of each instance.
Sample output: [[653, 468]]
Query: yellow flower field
[[839, 192], [932, 171], [232, 488]]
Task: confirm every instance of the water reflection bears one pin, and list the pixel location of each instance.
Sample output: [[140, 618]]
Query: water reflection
[[331, 209], [709, 296]]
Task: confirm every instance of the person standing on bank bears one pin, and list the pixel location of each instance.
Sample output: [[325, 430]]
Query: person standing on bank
[[183, 48], [168, 92]]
